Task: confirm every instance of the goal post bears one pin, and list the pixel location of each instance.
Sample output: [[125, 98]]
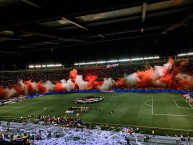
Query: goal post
[[189, 100]]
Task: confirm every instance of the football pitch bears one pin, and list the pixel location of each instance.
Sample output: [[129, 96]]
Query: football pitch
[[158, 111]]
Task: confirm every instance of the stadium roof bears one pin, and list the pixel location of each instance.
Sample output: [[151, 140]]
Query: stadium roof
[[60, 30]]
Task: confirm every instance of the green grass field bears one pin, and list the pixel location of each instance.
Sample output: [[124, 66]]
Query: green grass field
[[160, 111]]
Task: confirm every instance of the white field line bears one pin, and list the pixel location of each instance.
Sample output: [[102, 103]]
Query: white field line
[[11, 117], [19, 107], [186, 102], [8, 107], [147, 104], [173, 115], [152, 106], [190, 105], [176, 103], [141, 126], [185, 108]]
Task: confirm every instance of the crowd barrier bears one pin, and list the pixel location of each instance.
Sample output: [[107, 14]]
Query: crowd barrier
[[63, 91], [154, 91], [115, 90]]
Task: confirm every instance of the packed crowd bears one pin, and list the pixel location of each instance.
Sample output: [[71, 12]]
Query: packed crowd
[[63, 121], [114, 73], [47, 130], [49, 133], [11, 136], [7, 79]]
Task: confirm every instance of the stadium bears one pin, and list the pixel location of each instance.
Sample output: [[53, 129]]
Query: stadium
[[96, 72]]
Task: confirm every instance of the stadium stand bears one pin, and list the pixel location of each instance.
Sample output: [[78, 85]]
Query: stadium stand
[[7, 79]]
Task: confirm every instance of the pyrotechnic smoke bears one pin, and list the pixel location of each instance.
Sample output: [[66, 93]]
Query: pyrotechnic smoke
[[184, 81], [132, 80], [1, 92], [24, 87], [18, 89], [122, 83], [175, 75], [108, 84], [83, 85], [49, 86], [68, 85], [73, 74], [41, 88], [34, 87], [58, 87], [157, 76], [9, 92]]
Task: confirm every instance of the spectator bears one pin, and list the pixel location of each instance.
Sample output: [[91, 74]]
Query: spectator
[[188, 138], [153, 133]]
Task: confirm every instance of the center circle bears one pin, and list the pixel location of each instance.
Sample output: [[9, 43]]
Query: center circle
[[89, 99]]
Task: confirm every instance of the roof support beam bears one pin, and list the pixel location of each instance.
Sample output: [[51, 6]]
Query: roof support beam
[[177, 25], [62, 39], [144, 9], [77, 23], [7, 52], [31, 4]]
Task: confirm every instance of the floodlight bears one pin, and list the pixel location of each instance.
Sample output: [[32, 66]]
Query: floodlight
[[50, 65], [124, 60], [190, 53], [182, 54], [136, 59], [38, 66], [82, 63], [31, 66], [58, 65], [147, 58], [156, 57], [101, 62], [91, 63], [111, 61]]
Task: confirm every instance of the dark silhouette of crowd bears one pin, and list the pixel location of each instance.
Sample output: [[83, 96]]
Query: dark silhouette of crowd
[[60, 121], [8, 79], [10, 137]]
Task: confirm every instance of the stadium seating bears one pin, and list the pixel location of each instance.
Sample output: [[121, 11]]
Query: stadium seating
[[8, 79]]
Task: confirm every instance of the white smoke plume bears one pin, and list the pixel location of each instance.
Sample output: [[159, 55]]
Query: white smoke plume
[[49, 86], [68, 85], [132, 79], [35, 87], [9, 92], [185, 80], [24, 87], [83, 85], [108, 84]]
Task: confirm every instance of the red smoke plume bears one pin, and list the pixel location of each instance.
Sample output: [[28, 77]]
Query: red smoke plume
[[92, 84], [91, 78], [1, 91], [41, 87], [145, 78], [18, 89], [121, 83], [58, 87], [73, 74], [30, 86]]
